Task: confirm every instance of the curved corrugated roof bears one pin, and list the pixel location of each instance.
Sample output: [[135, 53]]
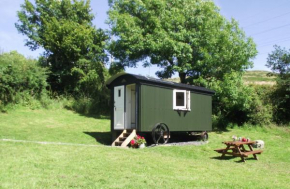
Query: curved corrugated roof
[[149, 80]]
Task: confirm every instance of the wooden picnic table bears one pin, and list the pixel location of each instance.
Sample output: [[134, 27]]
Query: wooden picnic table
[[237, 149]]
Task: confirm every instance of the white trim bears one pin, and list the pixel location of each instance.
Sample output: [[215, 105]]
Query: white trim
[[130, 107], [186, 106], [175, 107], [188, 100]]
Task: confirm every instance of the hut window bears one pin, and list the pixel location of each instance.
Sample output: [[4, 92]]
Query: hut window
[[181, 100]]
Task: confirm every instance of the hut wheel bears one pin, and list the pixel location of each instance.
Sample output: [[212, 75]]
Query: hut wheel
[[160, 133]]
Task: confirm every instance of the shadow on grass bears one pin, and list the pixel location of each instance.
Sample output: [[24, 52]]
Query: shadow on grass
[[93, 115], [176, 138], [227, 158], [101, 137], [220, 131], [89, 115], [239, 160]]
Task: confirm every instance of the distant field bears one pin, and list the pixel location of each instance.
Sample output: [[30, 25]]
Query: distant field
[[175, 79], [250, 77], [258, 77]]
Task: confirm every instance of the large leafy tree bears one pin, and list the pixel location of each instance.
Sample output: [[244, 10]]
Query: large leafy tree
[[74, 48], [279, 62], [189, 37]]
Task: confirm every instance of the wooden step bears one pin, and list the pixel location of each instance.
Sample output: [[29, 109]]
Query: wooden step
[[122, 138], [125, 137], [118, 143], [126, 134], [222, 149]]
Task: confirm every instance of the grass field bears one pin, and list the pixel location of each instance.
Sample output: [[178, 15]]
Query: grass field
[[58, 125], [33, 165], [250, 77], [258, 77]]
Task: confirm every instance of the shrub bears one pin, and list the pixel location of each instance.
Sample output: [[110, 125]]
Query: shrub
[[235, 103], [281, 102], [90, 92], [97, 105], [21, 80], [263, 111]]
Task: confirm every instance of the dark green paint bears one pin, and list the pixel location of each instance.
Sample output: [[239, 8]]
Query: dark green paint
[[156, 105]]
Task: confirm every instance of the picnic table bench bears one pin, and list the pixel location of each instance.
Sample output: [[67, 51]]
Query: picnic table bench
[[237, 149]]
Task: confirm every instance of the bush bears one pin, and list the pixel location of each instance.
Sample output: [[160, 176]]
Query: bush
[[97, 105], [263, 110], [235, 103], [281, 101], [90, 93], [21, 80]]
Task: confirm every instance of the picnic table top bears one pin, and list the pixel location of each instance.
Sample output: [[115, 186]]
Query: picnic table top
[[238, 142]]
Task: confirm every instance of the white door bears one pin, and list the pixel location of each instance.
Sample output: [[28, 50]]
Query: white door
[[119, 107]]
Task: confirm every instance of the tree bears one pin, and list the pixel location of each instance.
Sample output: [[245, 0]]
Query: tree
[[189, 37], [279, 62], [64, 29]]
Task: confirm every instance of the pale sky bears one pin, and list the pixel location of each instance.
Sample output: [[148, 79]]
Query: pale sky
[[266, 21]]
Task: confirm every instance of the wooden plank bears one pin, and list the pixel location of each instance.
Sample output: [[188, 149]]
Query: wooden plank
[[224, 152], [229, 153], [238, 143], [240, 153], [118, 138], [251, 148], [124, 138], [252, 152], [129, 138], [220, 150]]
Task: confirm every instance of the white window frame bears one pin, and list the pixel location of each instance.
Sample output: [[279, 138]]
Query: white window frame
[[186, 106], [188, 96]]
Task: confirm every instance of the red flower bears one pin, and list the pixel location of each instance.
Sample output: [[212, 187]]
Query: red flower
[[142, 137], [132, 142]]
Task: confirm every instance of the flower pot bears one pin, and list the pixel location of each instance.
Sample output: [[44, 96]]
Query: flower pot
[[142, 146]]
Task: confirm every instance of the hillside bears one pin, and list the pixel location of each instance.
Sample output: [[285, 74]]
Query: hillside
[[256, 77]]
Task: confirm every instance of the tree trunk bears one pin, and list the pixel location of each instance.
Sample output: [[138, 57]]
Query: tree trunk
[[182, 77]]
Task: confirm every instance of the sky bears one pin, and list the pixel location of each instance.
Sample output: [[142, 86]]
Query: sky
[[266, 21]]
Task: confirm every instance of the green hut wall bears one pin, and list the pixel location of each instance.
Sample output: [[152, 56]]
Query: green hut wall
[[156, 106]]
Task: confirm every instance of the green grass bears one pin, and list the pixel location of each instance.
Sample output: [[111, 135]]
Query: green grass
[[29, 165], [56, 125]]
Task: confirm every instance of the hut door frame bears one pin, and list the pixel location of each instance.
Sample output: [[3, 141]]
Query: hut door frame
[[130, 107], [119, 107]]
